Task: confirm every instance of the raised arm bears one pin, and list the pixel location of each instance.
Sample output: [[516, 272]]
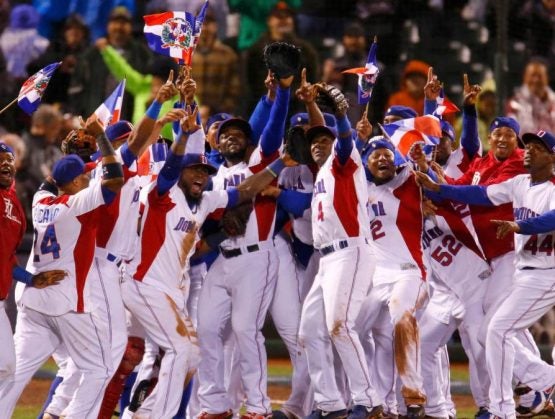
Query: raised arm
[[307, 94], [431, 92], [140, 138], [470, 141], [169, 174], [273, 133], [261, 114]]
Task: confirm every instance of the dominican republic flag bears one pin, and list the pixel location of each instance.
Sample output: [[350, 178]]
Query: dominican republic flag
[[406, 132], [175, 34], [110, 111], [444, 105], [31, 92], [367, 75]]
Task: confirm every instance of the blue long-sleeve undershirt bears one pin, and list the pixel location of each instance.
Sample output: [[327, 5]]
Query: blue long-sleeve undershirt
[[169, 173], [473, 194], [21, 275], [274, 131], [344, 144], [538, 225], [470, 141], [294, 202], [429, 106], [259, 118]]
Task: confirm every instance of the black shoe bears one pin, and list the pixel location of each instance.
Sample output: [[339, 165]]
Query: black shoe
[[415, 411], [323, 414], [364, 412]]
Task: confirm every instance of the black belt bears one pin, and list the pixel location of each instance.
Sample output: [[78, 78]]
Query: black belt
[[531, 268], [326, 250], [231, 253]]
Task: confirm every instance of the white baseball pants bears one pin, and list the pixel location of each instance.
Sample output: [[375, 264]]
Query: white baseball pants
[[38, 335], [239, 290], [530, 297], [166, 323], [329, 313], [402, 299], [285, 310], [7, 354]]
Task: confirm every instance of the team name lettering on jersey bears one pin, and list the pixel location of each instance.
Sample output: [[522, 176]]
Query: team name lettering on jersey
[[378, 209], [46, 215], [184, 225], [234, 180], [430, 234], [523, 213], [136, 195], [319, 187]]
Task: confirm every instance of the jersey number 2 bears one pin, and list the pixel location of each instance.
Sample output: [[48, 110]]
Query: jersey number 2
[[49, 243]]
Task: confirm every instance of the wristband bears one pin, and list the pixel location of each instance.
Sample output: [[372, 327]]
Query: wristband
[[112, 171], [21, 275], [276, 167], [153, 110]]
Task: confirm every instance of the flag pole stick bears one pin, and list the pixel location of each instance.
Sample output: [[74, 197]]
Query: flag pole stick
[[8, 105]]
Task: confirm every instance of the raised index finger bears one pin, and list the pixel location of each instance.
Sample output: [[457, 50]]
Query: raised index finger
[[303, 77], [170, 77], [430, 74], [465, 81]]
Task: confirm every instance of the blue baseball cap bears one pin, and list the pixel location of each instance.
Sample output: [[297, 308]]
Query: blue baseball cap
[[222, 116], [375, 143], [447, 129], [400, 111], [302, 119], [4, 148], [68, 168], [505, 121], [313, 132], [235, 122], [119, 130], [196, 159], [545, 137]]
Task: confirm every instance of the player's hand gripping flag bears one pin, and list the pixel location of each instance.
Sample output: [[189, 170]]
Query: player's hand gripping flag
[[367, 75], [109, 112], [31, 92], [406, 132], [175, 34]]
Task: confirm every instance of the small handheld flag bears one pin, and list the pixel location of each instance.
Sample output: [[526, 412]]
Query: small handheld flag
[[444, 105], [31, 92], [367, 75], [174, 34], [406, 132], [109, 112]]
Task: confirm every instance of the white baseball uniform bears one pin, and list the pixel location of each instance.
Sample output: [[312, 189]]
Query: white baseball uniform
[[157, 288], [64, 239], [242, 299], [399, 286], [340, 230], [458, 271], [531, 296]]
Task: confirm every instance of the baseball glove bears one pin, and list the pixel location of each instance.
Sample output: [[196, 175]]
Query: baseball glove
[[330, 97], [282, 59], [297, 146], [79, 142], [234, 220], [44, 279]]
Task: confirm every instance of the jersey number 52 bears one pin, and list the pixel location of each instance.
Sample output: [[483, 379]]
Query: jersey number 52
[[445, 252]]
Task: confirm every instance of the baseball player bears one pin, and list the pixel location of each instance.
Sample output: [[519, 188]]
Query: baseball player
[[13, 224], [65, 239], [242, 299], [340, 229], [399, 284], [532, 295]]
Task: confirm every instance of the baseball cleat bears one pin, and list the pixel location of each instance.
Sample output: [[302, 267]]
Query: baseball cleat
[[541, 402], [224, 415], [482, 413], [364, 412], [254, 415], [390, 415], [284, 413], [415, 411], [321, 414]]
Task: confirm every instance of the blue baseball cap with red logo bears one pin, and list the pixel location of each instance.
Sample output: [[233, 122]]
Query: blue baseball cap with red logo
[[545, 137], [197, 159], [4, 148], [400, 111], [120, 130], [68, 168]]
